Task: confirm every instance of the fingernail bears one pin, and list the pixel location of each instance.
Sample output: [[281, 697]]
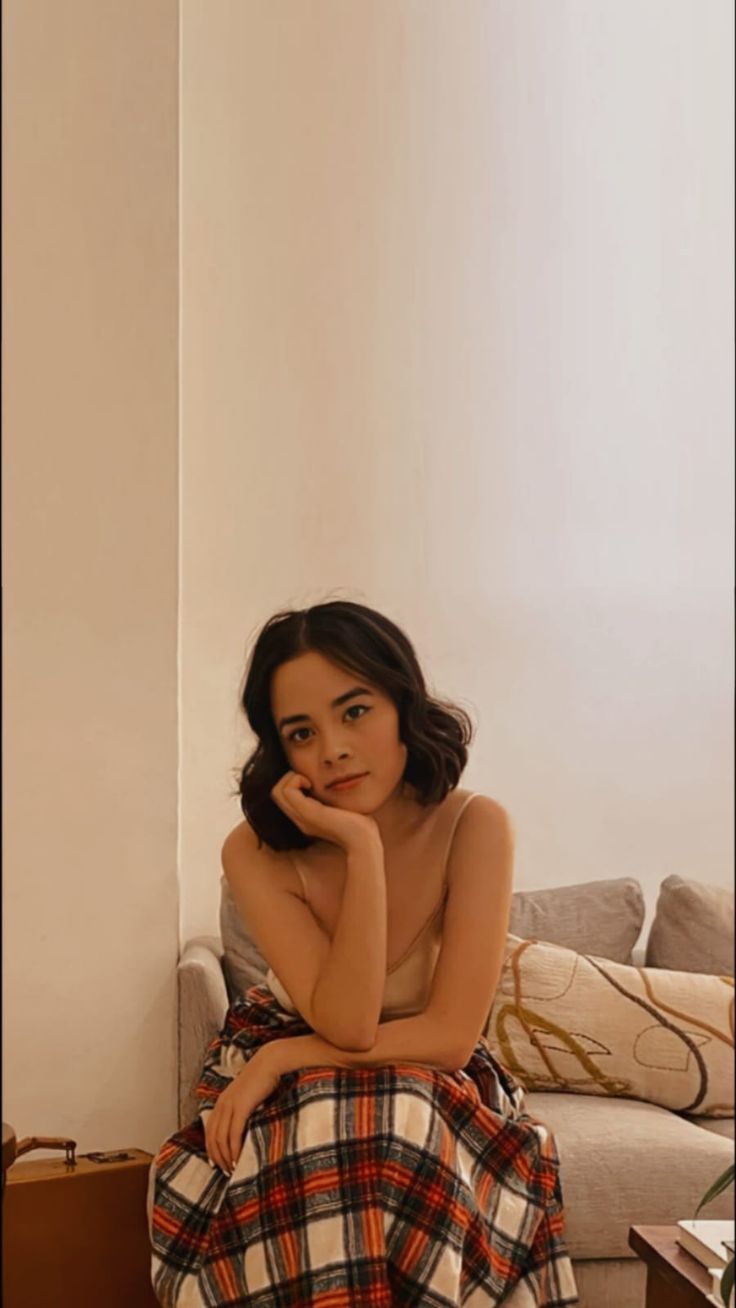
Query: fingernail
[[209, 1160]]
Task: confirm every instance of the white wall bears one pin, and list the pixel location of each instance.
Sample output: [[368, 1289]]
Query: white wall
[[456, 342], [90, 525], [456, 294]]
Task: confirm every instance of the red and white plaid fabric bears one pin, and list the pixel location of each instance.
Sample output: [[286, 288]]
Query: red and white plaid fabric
[[361, 1186]]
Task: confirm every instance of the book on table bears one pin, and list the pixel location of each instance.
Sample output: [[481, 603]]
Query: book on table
[[715, 1290], [704, 1241]]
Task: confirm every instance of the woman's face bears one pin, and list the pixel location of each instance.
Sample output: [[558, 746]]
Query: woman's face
[[331, 739]]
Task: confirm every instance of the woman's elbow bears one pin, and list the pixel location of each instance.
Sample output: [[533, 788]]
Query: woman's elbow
[[354, 1040]]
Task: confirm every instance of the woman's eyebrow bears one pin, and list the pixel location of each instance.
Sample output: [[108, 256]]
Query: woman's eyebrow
[[341, 699]]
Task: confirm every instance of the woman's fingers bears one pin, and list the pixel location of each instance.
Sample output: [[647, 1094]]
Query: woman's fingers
[[209, 1144], [284, 793], [235, 1135], [292, 783], [223, 1147], [217, 1148], [278, 796], [225, 1138]]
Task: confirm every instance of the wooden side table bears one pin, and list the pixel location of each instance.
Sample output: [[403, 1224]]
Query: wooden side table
[[674, 1278]]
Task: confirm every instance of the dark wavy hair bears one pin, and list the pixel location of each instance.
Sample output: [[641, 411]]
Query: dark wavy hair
[[362, 641]]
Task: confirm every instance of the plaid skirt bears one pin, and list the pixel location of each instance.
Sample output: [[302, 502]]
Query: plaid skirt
[[367, 1186]]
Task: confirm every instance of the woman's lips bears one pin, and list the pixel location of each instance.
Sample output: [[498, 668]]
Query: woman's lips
[[348, 785]]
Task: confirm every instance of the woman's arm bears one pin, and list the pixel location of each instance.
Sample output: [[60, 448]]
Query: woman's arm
[[411, 1040], [336, 985], [349, 989], [414, 1039]]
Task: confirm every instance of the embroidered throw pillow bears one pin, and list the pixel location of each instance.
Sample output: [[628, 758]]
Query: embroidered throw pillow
[[573, 1022]]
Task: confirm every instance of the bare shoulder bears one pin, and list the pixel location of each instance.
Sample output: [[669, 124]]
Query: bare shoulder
[[482, 848], [488, 804], [486, 817], [240, 839], [242, 851]]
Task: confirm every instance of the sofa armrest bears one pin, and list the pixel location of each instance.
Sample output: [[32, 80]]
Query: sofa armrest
[[203, 1005]]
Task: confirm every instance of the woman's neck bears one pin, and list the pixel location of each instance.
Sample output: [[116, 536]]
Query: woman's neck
[[401, 818]]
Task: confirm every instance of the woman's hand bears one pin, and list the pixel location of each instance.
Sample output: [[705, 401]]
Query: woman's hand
[[315, 818], [225, 1124]]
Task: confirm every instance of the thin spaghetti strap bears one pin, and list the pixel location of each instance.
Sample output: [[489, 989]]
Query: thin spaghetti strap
[[302, 875], [456, 819], [445, 889]]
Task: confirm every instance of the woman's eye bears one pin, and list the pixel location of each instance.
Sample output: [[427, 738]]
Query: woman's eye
[[364, 707]]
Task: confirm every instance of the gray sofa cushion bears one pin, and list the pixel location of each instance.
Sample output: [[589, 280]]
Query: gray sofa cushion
[[243, 964], [624, 1163], [603, 918], [693, 928]]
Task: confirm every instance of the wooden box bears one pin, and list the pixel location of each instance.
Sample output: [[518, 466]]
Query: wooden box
[[75, 1235]]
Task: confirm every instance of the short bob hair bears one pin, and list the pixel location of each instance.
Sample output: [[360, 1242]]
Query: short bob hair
[[361, 641]]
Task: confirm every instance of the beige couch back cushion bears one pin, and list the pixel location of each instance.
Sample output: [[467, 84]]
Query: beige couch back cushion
[[693, 928], [596, 917]]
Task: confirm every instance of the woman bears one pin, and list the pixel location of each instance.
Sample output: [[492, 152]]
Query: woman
[[357, 1141]]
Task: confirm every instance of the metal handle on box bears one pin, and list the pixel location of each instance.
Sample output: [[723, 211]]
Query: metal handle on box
[[47, 1142]]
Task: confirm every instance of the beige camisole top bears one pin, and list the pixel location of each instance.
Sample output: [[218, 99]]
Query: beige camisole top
[[409, 979]]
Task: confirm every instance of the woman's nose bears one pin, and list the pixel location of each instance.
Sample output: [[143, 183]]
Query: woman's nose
[[333, 753]]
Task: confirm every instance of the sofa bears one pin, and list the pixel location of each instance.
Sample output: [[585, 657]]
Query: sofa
[[623, 1161]]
